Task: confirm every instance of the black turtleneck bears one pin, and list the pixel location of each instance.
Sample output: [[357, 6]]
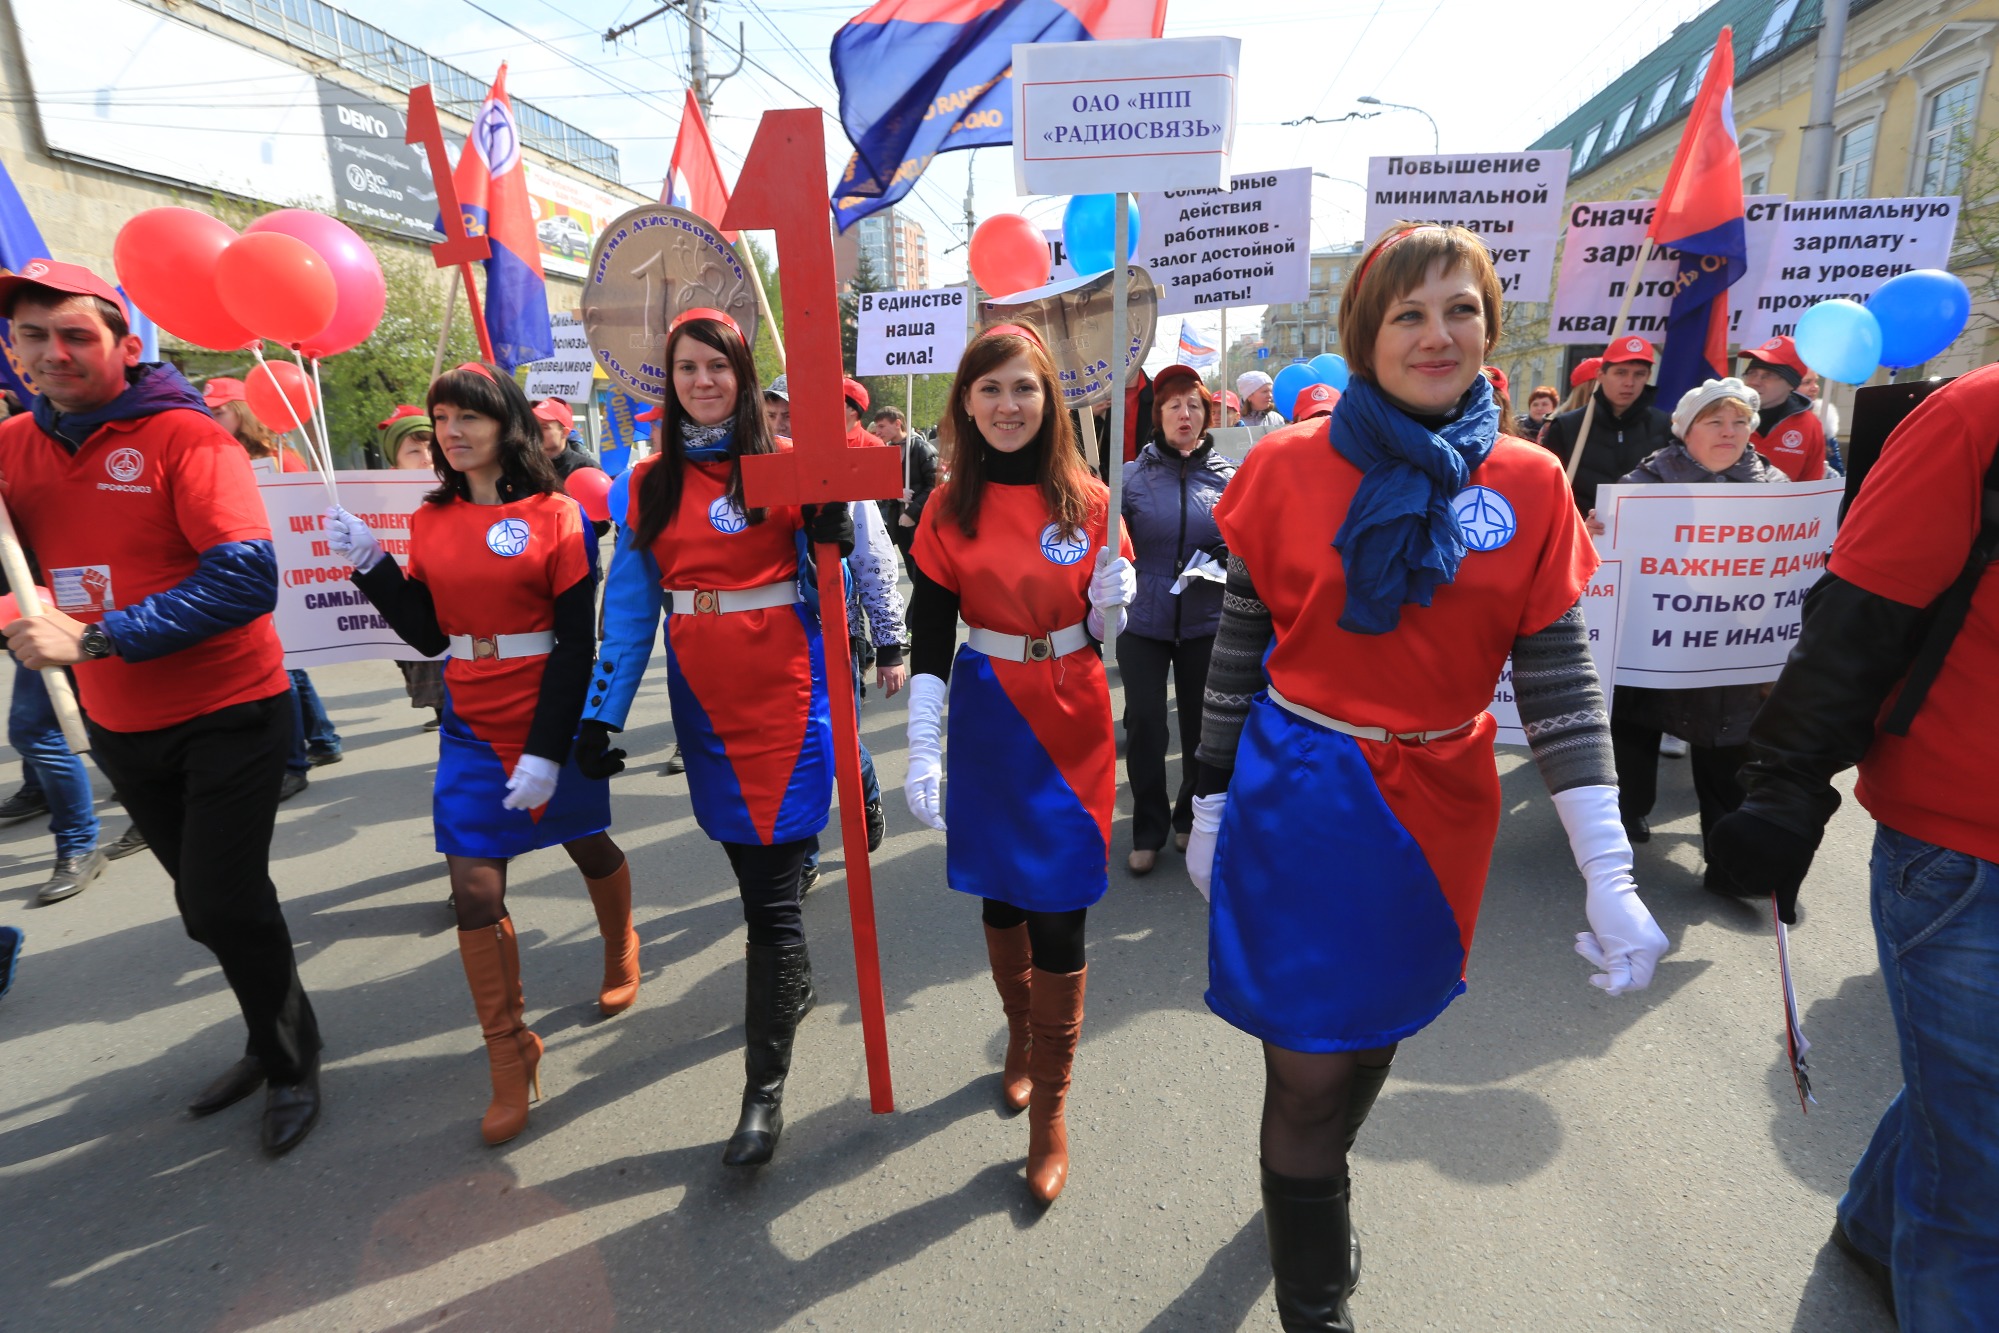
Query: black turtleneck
[[933, 608], [1014, 469]]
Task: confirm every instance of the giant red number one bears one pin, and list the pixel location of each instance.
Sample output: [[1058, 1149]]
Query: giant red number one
[[459, 247], [783, 189]]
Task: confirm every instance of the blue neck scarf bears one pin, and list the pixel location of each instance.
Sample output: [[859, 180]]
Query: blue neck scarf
[[706, 444], [1400, 540]]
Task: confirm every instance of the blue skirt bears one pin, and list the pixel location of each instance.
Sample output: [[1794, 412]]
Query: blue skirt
[[471, 782]]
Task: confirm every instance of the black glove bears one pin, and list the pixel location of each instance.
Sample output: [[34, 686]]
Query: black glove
[[1762, 857], [832, 523], [594, 756]]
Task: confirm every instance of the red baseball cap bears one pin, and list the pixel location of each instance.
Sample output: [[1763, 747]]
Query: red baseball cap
[[554, 409], [403, 410], [222, 390], [1585, 372], [1496, 377], [1314, 400], [1162, 378], [857, 391], [73, 279], [1779, 351], [1630, 347], [1230, 401]]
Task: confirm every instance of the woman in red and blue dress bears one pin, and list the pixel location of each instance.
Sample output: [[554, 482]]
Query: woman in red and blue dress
[[1015, 543], [503, 576], [745, 674], [1383, 562]]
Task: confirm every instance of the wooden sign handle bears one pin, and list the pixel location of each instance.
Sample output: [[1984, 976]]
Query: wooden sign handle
[[62, 698]]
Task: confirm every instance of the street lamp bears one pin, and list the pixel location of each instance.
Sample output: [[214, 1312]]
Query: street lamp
[[1436, 142]]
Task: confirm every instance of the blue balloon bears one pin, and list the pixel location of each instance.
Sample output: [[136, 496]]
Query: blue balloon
[[1089, 226], [1291, 381], [1841, 340], [1331, 368], [1920, 314]]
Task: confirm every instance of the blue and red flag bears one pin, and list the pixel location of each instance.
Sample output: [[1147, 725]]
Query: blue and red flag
[[694, 178], [493, 195], [923, 77], [20, 241], [1196, 351], [1700, 215]]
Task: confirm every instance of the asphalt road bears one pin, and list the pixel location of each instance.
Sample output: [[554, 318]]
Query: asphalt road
[[1545, 1157]]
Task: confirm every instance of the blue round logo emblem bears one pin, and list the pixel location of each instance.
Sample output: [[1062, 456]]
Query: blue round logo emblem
[[508, 537], [725, 517], [496, 138], [1485, 516], [1063, 550]]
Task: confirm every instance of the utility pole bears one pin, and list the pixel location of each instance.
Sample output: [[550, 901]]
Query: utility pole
[[697, 58], [971, 224], [1815, 149]]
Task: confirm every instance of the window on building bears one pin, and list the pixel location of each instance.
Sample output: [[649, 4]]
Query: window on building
[[1700, 72], [1620, 124], [1753, 184], [1773, 29], [1853, 164], [1943, 136], [1657, 106], [1585, 148]]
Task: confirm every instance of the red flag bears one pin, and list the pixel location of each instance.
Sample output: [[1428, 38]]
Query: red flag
[[493, 196], [694, 179]]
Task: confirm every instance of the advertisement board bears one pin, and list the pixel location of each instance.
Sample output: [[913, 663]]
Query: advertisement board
[[568, 215], [377, 178]]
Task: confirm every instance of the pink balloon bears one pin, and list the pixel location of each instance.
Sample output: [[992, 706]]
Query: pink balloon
[[357, 276], [591, 488], [1009, 254]]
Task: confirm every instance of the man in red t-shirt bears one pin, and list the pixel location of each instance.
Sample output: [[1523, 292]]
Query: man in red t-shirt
[[1920, 1202], [150, 534], [1788, 432]]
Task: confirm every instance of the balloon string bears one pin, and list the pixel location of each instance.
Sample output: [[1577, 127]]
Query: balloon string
[[257, 351], [325, 434]]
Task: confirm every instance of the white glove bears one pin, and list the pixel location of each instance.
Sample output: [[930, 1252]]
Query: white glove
[[924, 787], [350, 539], [1112, 589], [533, 782], [1201, 842], [1623, 939]]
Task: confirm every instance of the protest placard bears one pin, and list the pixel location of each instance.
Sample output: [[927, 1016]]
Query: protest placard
[[1602, 243], [1099, 117], [566, 375], [1603, 613], [909, 333], [1248, 245], [1513, 201], [321, 616], [1842, 249], [1715, 576]]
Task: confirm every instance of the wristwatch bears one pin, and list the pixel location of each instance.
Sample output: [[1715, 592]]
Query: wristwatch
[[96, 643]]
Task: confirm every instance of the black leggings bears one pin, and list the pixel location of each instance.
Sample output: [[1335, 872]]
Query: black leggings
[[1055, 937], [767, 879], [1305, 1098]]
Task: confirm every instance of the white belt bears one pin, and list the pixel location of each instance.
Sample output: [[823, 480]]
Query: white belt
[[1382, 734], [1028, 648], [479, 647], [716, 602]]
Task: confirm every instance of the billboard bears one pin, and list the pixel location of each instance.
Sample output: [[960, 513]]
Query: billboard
[[568, 214], [377, 178]]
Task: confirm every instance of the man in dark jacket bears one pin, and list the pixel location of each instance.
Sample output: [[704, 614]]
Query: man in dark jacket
[[148, 525], [1626, 427], [901, 515]]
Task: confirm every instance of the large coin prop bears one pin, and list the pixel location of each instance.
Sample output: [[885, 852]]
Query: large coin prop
[[1075, 315], [646, 267]]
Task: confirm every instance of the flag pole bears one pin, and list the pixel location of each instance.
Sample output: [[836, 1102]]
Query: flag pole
[[14, 561], [478, 313], [1616, 331], [763, 303], [444, 333], [1120, 353]]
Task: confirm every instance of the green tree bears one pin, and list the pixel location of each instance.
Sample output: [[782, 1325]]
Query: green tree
[[769, 366], [867, 278]]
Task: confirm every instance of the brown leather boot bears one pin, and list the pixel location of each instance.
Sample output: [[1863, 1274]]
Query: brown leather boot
[[1013, 974], [1055, 1013], [612, 897], [493, 969]]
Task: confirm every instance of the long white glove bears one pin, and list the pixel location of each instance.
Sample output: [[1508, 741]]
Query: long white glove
[[1112, 589], [1623, 939], [1201, 842], [924, 787], [350, 539], [533, 782]]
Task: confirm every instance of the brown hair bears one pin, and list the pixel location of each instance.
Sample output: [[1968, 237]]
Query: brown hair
[[749, 433], [1176, 385], [491, 392], [1061, 475], [257, 439], [1546, 391], [1400, 261]]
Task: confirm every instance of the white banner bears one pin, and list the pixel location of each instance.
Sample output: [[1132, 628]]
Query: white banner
[[321, 616], [909, 333], [1512, 200], [1715, 576], [1603, 240], [1603, 613], [1827, 249], [1248, 245], [566, 375], [1098, 117]]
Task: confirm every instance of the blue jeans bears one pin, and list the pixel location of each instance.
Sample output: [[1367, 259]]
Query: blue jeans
[[871, 788], [48, 765], [320, 736], [1925, 1197]]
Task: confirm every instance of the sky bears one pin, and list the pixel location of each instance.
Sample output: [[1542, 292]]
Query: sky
[[1493, 77]]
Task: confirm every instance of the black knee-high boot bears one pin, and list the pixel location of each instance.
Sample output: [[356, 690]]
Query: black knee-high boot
[[777, 994], [1366, 1086], [1306, 1226]]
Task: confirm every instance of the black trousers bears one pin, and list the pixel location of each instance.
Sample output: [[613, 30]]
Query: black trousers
[[1144, 663], [1636, 750], [205, 794], [767, 879]]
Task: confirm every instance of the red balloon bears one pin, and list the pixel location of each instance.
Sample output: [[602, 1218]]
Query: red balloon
[[166, 260], [591, 488], [275, 391], [1009, 254], [277, 286], [357, 276]]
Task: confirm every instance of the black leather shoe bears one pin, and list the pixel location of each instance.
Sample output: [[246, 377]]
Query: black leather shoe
[[807, 878], [1638, 830], [290, 1112], [293, 784], [674, 763], [23, 804], [73, 874], [321, 758], [877, 826], [237, 1082], [1877, 1272], [131, 840]]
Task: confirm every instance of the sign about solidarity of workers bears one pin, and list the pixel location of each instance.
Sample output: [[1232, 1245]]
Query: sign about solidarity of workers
[[1603, 240], [1248, 245], [1715, 576], [1513, 201], [909, 333], [321, 616], [1842, 248], [1603, 613], [566, 375], [1097, 117]]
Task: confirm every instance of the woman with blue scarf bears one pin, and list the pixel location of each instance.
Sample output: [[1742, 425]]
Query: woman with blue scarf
[[745, 673], [1383, 563]]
